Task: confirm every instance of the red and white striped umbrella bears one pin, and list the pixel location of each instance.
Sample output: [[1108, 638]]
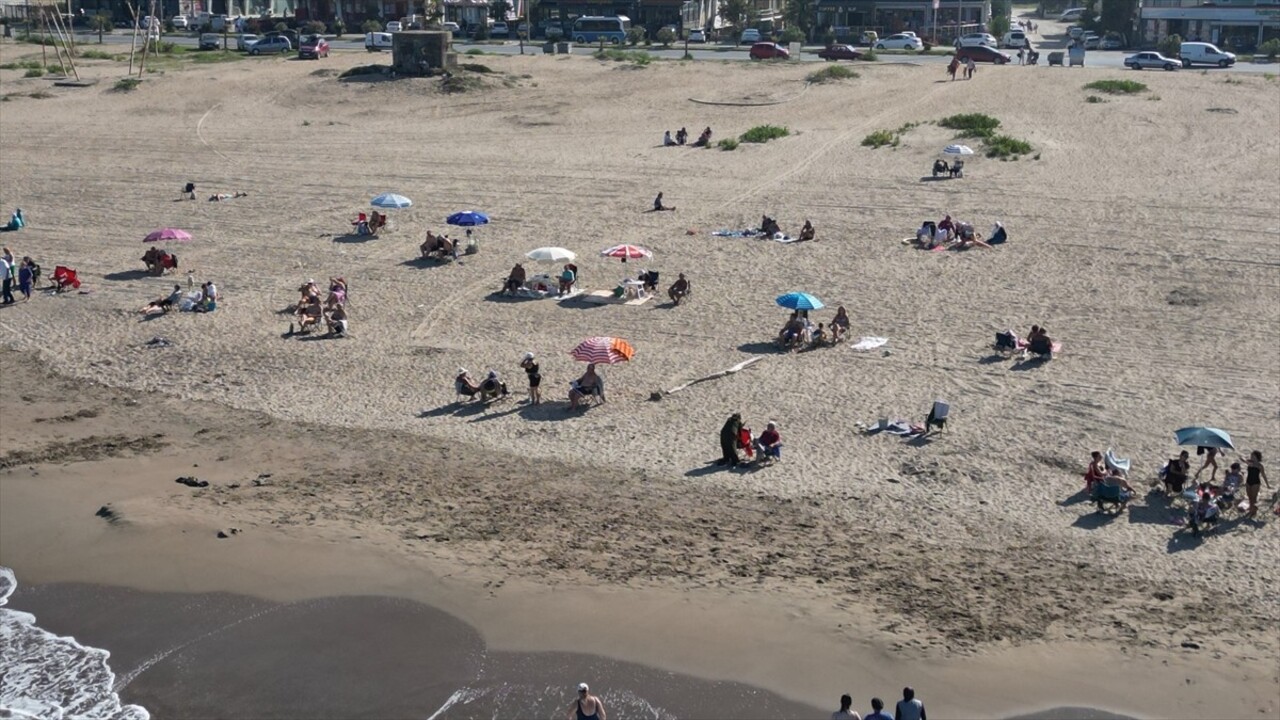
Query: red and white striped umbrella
[[627, 252], [603, 350]]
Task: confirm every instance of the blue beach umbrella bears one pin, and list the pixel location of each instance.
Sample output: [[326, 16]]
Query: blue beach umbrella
[[800, 301], [1203, 437], [468, 218], [391, 200]]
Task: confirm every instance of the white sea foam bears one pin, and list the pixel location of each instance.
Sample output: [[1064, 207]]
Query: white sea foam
[[517, 700], [46, 676]]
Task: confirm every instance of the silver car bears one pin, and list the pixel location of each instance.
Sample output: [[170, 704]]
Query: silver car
[[1154, 60], [244, 40]]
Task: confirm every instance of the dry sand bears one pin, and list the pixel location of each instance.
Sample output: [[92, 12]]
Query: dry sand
[[1146, 237]]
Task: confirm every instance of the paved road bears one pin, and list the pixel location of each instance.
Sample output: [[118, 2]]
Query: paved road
[[1052, 38]]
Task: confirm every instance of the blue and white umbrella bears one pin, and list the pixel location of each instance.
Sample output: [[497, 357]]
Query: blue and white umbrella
[[800, 301], [1203, 437], [391, 200], [468, 218]]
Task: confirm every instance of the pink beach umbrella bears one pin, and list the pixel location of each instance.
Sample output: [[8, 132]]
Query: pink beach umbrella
[[626, 252], [603, 351], [164, 234]]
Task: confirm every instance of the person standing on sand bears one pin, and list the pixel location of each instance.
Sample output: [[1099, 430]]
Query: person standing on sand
[[970, 67], [729, 441], [5, 267], [530, 365], [877, 711], [1254, 477], [909, 708], [844, 713], [587, 706], [1210, 458]]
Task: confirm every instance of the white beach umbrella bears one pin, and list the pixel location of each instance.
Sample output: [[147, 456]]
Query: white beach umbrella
[[957, 150], [551, 254]]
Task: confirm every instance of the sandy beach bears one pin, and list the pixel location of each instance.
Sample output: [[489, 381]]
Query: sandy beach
[[1144, 233]]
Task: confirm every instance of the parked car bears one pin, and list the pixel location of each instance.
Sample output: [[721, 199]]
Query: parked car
[[395, 26], [377, 41], [1071, 15], [1113, 42], [1202, 53], [1014, 39], [1144, 60], [1076, 32], [452, 27], [244, 40], [697, 36], [274, 44], [750, 36], [294, 39], [840, 52], [210, 41], [982, 53], [769, 51], [901, 41], [314, 47], [180, 22], [1092, 41], [975, 40], [499, 30]]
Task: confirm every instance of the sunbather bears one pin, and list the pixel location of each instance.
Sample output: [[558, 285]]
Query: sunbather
[[1175, 473], [704, 139], [1115, 478], [515, 280], [682, 136], [998, 234], [807, 232], [568, 277], [464, 384], [792, 332], [658, 206], [947, 225], [839, 324], [164, 304], [310, 316], [666, 139], [1097, 471], [679, 289], [151, 259], [957, 169], [492, 386], [584, 387], [219, 197], [337, 321], [428, 246], [940, 167], [818, 336], [770, 443], [769, 226], [1205, 512]]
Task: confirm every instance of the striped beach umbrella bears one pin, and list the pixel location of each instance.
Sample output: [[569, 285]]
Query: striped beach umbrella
[[799, 301], [167, 234], [627, 252], [391, 201], [603, 350]]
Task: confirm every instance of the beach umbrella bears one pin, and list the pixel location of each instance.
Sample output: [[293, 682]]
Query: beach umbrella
[[606, 350], [468, 218], [633, 252], [957, 150], [167, 234], [551, 254], [800, 301], [391, 201], [1203, 437]]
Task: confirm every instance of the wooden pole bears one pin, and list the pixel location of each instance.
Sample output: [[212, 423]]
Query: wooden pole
[[56, 50], [146, 43], [70, 20], [66, 45], [44, 54], [133, 44]]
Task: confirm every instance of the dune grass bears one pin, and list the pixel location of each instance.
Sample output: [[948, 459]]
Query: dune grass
[[764, 133], [1117, 87], [1003, 146], [831, 73], [971, 125], [880, 138]]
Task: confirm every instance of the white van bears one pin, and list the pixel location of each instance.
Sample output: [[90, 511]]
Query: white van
[[1200, 53], [377, 41], [1071, 15]]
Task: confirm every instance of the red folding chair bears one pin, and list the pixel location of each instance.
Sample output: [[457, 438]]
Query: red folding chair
[[65, 277]]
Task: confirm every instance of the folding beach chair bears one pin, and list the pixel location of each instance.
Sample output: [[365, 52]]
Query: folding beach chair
[[65, 277], [938, 415], [1007, 342]]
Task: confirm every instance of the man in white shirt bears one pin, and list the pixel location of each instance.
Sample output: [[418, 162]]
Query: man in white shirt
[[6, 271]]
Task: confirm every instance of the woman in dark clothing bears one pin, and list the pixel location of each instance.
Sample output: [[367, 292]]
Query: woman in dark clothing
[[729, 441], [530, 365], [1254, 477]]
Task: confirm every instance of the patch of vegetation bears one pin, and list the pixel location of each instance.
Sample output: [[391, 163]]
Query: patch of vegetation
[[1003, 146], [217, 56], [637, 57], [880, 138], [476, 51], [1170, 46], [764, 133], [1117, 87], [1233, 81], [666, 36], [869, 56], [128, 84], [460, 84], [831, 73], [96, 54], [727, 144], [359, 70], [21, 65], [971, 125], [635, 36], [476, 68], [374, 26], [1094, 99], [306, 123], [33, 72], [40, 95], [324, 72], [1270, 77], [1270, 48], [315, 27]]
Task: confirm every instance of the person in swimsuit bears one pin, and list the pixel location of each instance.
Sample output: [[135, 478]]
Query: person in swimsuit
[[1255, 475], [587, 706], [1210, 458], [530, 365]]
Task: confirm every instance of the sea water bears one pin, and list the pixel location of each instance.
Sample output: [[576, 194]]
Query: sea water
[[46, 676]]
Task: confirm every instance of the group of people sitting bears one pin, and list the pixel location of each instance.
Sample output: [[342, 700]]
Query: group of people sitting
[[204, 301], [369, 224], [948, 233], [682, 137], [159, 261], [16, 221], [491, 387], [770, 228], [1037, 343], [735, 436], [586, 388], [955, 169], [799, 333], [311, 311], [439, 247]]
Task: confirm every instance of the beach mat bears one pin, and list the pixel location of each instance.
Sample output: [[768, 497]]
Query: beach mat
[[606, 297], [869, 343]]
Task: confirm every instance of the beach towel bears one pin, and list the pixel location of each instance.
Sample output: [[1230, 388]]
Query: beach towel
[[736, 233], [779, 237], [1114, 462], [869, 343]]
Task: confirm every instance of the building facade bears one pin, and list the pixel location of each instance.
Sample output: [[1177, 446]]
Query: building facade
[[1235, 26]]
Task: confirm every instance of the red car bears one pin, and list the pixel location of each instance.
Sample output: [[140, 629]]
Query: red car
[[769, 51], [313, 46], [840, 52], [981, 53]]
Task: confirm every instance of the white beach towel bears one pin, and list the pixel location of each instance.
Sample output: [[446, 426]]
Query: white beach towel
[[869, 343]]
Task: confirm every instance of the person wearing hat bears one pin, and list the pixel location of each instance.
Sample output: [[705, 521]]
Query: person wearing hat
[[530, 365], [587, 706], [465, 384]]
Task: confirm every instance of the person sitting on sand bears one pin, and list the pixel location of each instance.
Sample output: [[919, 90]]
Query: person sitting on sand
[[966, 237], [839, 324], [309, 317], [16, 221], [948, 226], [807, 232], [337, 293], [792, 332], [769, 444], [465, 384], [682, 136], [1115, 478], [679, 289], [492, 386], [568, 277], [515, 280], [818, 336], [165, 304], [658, 206], [444, 248], [428, 246], [704, 139], [1204, 512], [584, 387], [337, 321], [940, 167], [1097, 470], [1175, 473], [666, 139], [998, 234], [769, 226]]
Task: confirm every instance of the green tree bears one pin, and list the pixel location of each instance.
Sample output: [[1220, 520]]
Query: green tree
[[735, 12], [100, 24], [998, 26], [1117, 16], [666, 36], [801, 14]]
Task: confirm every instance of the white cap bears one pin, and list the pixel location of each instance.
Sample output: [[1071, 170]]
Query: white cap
[[582, 687], [528, 356], [462, 371]]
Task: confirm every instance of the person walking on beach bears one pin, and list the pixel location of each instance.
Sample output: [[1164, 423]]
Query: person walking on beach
[[845, 713], [587, 706], [909, 708], [26, 277], [970, 67], [877, 710], [1210, 458], [952, 67], [1253, 479]]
